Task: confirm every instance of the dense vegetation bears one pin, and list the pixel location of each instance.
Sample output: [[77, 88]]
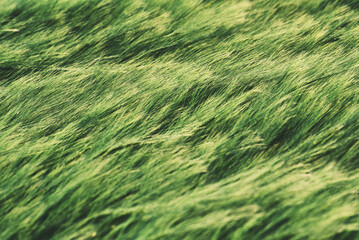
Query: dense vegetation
[[186, 119]]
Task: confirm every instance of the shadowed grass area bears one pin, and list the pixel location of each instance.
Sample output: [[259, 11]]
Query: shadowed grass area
[[188, 119]]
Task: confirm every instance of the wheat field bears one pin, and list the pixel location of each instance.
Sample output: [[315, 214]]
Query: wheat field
[[186, 119]]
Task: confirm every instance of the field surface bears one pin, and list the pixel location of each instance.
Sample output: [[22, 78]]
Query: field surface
[[183, 119]]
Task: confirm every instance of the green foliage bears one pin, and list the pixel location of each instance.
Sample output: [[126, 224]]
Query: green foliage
[[188, 119]]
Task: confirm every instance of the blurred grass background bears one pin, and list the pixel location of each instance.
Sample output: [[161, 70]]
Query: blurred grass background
[[186, 119]]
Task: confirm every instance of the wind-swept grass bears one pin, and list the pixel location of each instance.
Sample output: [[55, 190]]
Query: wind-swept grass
[[188, 119]]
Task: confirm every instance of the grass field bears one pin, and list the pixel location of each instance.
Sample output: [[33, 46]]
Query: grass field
[[186, 119]]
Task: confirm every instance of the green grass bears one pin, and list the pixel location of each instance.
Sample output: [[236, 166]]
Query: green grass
[[186, 119]]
